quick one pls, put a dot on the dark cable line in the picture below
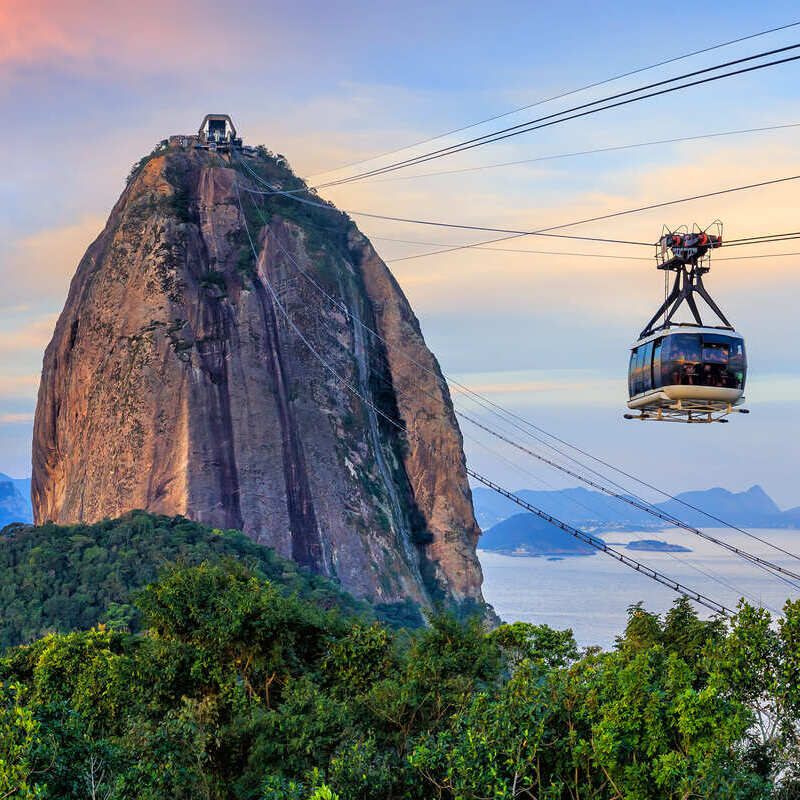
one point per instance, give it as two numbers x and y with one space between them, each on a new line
458 226
575 532
594 151
641 482
762 563
765 255
605 216
580 255
722 582
763 541
600 545
562 95
514 233
763 241
510 250
570 113
778 237
642 507
613 148
761 236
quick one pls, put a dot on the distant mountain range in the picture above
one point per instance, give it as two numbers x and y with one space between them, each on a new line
591 511
15 500
595 512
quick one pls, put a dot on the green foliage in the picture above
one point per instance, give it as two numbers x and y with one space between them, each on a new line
495 745
19 735
240 631
326 229
277 788
236 690
523 641
55 578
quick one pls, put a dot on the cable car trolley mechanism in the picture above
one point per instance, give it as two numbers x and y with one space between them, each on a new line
687 372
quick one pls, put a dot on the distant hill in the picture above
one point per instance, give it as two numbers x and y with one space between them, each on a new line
15 500
597 512
526 534
753 508
657 546
55 578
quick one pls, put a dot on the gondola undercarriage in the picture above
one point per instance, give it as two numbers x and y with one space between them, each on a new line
688 411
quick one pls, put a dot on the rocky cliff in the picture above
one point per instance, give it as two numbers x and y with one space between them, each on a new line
174 383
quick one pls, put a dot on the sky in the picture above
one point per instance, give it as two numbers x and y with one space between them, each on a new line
90 87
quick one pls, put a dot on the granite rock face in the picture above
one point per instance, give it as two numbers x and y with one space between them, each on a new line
177 382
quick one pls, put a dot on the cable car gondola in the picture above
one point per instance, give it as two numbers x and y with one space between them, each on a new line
687 372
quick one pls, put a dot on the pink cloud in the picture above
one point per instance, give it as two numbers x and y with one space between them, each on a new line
10 419
16 386
43 264
146 33
34 336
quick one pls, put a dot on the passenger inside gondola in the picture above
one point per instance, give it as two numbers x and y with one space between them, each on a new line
688 359
714 360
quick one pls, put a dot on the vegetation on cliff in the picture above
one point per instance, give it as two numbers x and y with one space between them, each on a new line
232 689
62 578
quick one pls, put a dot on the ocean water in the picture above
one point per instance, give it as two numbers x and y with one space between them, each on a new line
590 594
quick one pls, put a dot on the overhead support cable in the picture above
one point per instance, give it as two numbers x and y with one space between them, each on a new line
612 256
458 226
765 255
597 544
760 237
514 250
512 234
708 515
576 112
771 240
574 154
603 217
487 403
647 508
560 96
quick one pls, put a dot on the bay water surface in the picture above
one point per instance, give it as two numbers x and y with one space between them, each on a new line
591 594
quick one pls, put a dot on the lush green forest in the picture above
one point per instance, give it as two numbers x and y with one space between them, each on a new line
59 579
235 686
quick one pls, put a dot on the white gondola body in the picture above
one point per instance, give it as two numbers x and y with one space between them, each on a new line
687 367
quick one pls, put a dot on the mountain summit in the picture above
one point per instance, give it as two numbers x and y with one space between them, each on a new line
174 383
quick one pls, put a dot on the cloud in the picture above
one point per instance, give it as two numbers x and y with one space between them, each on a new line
29 29
42 265
15 419
34 336
470 279
18 386
146 33
532 386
